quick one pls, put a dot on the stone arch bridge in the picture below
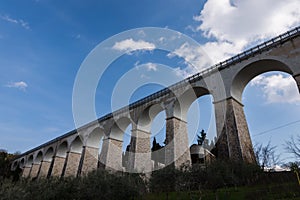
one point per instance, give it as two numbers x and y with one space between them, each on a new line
76 152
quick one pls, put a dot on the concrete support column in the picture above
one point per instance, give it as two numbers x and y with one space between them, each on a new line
177 144
140 151
35 170
26 171
111 154
90 159
234 140
58 166
72 164
45 166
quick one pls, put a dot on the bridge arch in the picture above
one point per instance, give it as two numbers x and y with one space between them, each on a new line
250 71
76 145
22 162
185 100
94 137
38 158
29 160
147 116
62 149
118 128
49 154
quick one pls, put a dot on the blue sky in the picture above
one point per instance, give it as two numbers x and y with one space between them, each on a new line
43 44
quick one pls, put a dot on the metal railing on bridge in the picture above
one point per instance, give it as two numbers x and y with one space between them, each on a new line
222 65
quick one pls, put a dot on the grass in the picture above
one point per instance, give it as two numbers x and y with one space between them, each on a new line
286 191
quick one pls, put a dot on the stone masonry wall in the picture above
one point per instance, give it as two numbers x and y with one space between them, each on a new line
45 165
111 154
26 172
234 140
243 133
34 170
72 164
177 148
90 161
141 151
58 166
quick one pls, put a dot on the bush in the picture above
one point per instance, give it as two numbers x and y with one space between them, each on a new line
215 175
96 185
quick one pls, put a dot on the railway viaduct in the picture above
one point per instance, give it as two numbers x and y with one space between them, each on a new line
76 152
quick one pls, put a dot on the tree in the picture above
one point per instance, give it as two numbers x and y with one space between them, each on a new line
5 164
266 155
293 146
155 145
294 167
201 137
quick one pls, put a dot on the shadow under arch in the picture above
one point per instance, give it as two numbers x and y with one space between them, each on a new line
49 154
62 149
29 161
39 157
94 138
244 76
22 163
57 167
118 128
147 116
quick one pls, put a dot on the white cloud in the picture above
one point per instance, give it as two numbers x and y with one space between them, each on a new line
194 56
20 22
151 66
236 24
19 85
132 45
277 88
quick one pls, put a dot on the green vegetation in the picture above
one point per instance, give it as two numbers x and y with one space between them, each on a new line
97 185
5 172
286 191
217 180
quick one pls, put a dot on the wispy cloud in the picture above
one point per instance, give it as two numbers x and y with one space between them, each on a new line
21 85
20 22
277 88
132 45
77 36
151 66
194 56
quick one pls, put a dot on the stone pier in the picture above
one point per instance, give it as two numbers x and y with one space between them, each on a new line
72 164
26 171
111 154
58 166
177 143
140 152
90 159
35 170
234 140
45 166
